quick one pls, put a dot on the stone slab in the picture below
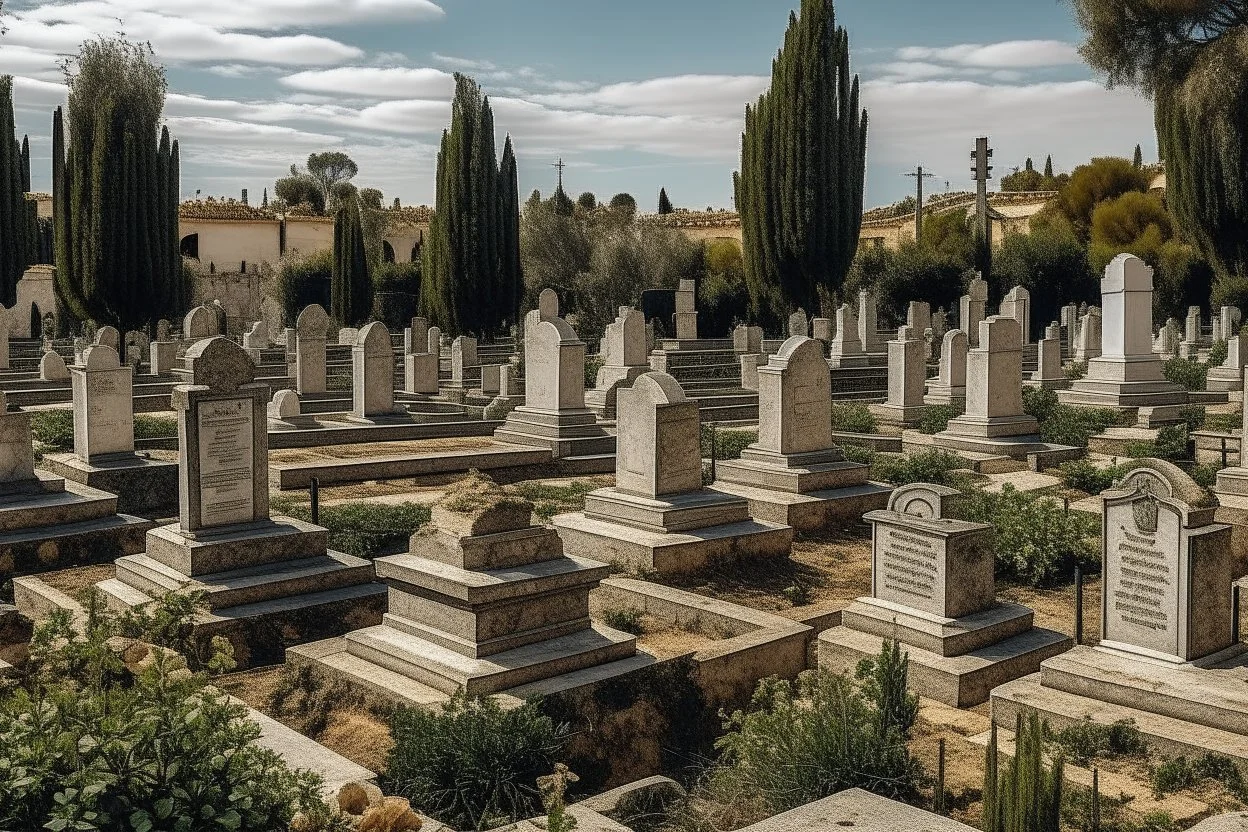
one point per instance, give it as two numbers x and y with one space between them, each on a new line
143 486
100 540
281 539
860 811
946 637
812 511
301 752
299 476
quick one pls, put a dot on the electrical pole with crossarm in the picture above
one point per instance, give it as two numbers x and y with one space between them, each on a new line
919 176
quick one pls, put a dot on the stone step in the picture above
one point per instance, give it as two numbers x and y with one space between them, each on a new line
284 539
447 671
333 656
56 508
478 586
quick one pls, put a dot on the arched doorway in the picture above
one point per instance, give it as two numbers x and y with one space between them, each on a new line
190 246
387 252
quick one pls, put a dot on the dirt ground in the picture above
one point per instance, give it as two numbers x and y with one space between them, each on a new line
75 580
290 456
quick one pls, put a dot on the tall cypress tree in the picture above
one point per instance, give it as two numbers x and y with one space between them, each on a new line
15 234
665 204
1048 167
114 191
803 168
471 254
1138 159
350 286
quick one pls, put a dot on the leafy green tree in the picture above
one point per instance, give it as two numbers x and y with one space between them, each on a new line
803 161
1051 263
1092 184
330 169
1134 223
949 233
116 183
15 220
300 189
1187 57
471 243
665 204
723 295
510 265
910 272
351 287
1048 167
624 203
587 201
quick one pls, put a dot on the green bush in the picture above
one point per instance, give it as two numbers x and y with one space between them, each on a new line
1186 373
592 364
88 745
1074 426
1224 422
303 280
802 742
729 442
1039 403
1217 354
473 764
1027 796
1206 476
852 418
549 500
625 619
1194 416
54 429
1076 370
859 453
1037 541
1082 475
936 418
1087 740
931 466
365 530
147 426
1181 773
1171 443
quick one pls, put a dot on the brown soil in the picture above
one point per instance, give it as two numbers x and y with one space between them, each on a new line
75 580
665 640
1054 607
289 456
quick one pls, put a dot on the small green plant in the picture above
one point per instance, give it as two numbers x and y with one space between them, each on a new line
797 594
883 680
53 430
366 530
1087 740
858 453
147 426
1206 476
1039 403
1224 422
1181 773
625 619
1074 426
473 764
729 442
1186 373
936 417
932 466
549 500
592 364
1037 541
1076 370
1082 475
554 788
1171 443
1027 796
852 418
1217 354
1194 416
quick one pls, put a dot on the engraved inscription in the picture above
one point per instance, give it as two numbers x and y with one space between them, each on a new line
1143 584
226 492
907 565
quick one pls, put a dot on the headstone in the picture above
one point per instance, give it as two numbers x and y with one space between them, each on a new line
747 339
372 373
1088 343
347 336
1230 374
463 357
200 322
1217 329
285 406
17 451
822 329
919 319
311 332
1070 326
108 336
1191 334
103 405
416 337
845 349
1230 317
663 453
799 324
1168 568
868 324
624 358
687 311
257 338
1017 305
490 381
223 453
52 367
548 304
163 357
164 330
907 376
1049 374
972 309
949 386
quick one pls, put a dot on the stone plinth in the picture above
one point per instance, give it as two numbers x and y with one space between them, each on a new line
845 349
907 377
1230 374
625 358
658 516
932 589
794 475
949 386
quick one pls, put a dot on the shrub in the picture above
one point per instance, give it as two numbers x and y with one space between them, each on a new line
625 619
802 742
1217 354
473 765
1039 403
147 426
729 442
936 418
54 429
883 681
1037 541
859 453
1206 476
852 418
549 500
592 364
931 466
1087 740
1074 426
303 280
1171 443
1027 796
366 530
1194 416
1185 373
1082 475
1076 370
1224 422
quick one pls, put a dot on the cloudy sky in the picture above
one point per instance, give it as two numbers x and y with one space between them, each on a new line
634 95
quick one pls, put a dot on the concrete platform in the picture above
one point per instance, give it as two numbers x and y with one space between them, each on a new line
860 811
100 540
814 510
961 681
673 552
300 752
334 471
144 486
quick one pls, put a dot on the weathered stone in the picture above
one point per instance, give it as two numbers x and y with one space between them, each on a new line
311 330
372 363
52 367
949 386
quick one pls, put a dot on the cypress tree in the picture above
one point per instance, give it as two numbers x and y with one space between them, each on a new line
471 254
15 234
1138 160
350 286
665 204
1030 166
803 163
1048 167
25 163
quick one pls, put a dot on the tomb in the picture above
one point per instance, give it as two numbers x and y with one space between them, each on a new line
1049 374
372 376
311 333
624 358
104 457
794 475
1017 305
1127 374
949 386
52 367
1229 375
420 367
200 322
1088 339
972 309
845 349
659 516
1168 658
933 590
907 377
483 601
268 582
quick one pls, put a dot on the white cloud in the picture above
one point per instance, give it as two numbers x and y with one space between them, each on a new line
256 15
1006 54
376 82
721 96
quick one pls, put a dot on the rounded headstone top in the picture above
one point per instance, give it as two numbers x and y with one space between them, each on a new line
1127 273
374 339
101 357
285 404
220 364
1018 293
659 388
313 320
1165 479
978 290
52 366
563 331
200 322
548 304
924 500
799 349
952 336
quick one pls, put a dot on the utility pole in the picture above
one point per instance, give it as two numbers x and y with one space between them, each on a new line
559 165
919 176
983 223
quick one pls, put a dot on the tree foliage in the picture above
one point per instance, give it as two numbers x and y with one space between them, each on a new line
300 189
665 204
18 240
624 203
1051 263
116 191
470 280
351 296
1027 795
1092 184
329 169
803 160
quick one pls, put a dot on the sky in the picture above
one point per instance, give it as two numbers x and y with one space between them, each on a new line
632 95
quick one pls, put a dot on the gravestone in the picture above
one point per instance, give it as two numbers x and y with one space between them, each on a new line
311 333
200 322
1230 316
286 413
103 405
686 311
1229 375
1069 318
267 582
1190 344
949 386
372 374
933 589
822 330
1217 329
108 336
1049 374
869 324
421 368
845 349
1128 374
416 337
257 338
624 358
1017 305
52 367
1088 341
799 324
919 319
465 366
747 339
972 309
907 376
658 515
794 474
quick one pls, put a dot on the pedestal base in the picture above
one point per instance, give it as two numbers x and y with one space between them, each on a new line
807 497
567 433
1225 379
897 416
143 486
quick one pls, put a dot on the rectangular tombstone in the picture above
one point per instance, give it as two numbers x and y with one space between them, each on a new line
372 372
822 329
662 455
1168 569
103 405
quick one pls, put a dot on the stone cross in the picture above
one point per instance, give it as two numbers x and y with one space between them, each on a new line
103 405
663 453
223 472
372 373
311 333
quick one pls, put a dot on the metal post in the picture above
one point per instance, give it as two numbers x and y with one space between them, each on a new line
314 495
1078 606
939 798
1096 800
